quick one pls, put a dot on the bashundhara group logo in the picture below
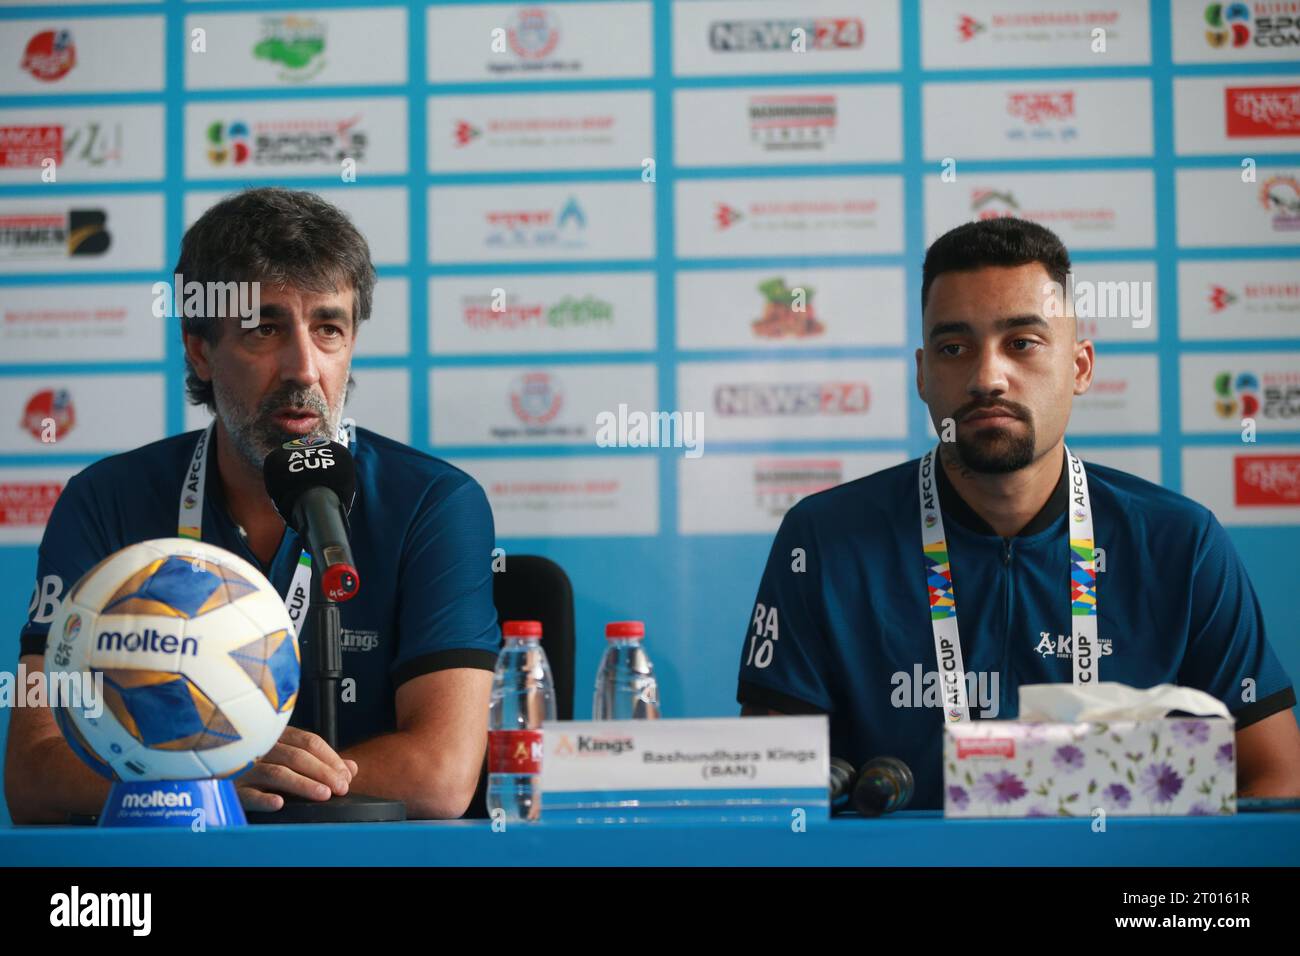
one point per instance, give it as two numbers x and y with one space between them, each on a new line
1227 24
1236 395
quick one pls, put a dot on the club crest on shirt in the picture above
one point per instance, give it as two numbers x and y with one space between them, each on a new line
1063 647
350 640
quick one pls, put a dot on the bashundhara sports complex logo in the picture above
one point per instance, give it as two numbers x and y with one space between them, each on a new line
228 143
1236 395
1227 24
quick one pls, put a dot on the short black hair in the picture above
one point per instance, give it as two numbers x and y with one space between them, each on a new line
278 237
1004 241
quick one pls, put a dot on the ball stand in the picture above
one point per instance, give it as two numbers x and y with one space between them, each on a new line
195 804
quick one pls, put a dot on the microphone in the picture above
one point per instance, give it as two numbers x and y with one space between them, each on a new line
312 482
842 774
884 785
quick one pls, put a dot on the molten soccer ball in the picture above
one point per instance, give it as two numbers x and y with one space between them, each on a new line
198 657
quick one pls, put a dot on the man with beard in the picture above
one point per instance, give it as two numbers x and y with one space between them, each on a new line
931 591
419 640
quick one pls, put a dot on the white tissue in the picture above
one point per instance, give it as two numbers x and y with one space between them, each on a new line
1111 700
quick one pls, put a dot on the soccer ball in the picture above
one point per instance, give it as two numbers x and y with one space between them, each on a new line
198 657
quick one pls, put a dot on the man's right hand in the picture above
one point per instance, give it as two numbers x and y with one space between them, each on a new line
302 764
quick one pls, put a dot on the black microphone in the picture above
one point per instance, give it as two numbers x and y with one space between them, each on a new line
842 774
884 785
312 482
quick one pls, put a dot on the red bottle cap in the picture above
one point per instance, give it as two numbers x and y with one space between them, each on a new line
521 629
617 629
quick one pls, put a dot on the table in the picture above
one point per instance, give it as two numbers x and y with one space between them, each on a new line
906 839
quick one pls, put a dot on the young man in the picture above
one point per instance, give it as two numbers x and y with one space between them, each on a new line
880 593
419 639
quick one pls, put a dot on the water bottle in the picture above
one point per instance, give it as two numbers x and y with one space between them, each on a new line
626 688
523 697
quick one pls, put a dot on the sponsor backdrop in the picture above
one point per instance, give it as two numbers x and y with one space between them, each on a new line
707 206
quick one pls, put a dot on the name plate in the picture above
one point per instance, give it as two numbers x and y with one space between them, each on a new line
754 767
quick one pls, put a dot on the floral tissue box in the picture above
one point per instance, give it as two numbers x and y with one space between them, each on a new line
1159 767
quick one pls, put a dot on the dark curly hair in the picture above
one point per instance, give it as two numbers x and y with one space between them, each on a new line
1005 241
279 237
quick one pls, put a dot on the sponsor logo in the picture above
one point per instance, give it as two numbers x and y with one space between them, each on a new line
1268 24
149 641
1256 297
968 28
793 121
564 228
1266 480
1220 298
50 54
787 313
536 132
536 398
228 143
295 43
1037 26
90 144
93 144
593 745
776 36
1042 116
1280 196
798 215
1061 646
596 494
755 399
1238 395
53 404
79 232
569 312
360 641
1262 110
22 147
533 35
780 483
27 504
286 142
155 799
994 204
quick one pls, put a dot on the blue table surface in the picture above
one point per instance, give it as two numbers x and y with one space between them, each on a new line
918 838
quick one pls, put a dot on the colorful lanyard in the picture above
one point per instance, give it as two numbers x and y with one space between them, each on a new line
943 599
189 522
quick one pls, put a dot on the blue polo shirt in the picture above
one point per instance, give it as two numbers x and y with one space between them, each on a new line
842 627
422 538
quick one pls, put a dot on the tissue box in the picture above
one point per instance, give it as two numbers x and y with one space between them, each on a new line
1184 766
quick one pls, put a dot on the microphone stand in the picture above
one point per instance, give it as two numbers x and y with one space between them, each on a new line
325 653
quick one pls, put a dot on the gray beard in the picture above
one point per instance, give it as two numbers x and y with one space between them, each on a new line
254 435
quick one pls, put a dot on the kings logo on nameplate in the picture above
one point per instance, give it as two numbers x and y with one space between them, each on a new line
714 767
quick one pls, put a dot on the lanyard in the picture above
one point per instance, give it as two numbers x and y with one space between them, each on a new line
943 598
189 522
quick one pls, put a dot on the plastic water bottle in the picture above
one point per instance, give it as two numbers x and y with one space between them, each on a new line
626 688
523 696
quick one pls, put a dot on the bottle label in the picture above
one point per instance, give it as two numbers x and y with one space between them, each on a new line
515 751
